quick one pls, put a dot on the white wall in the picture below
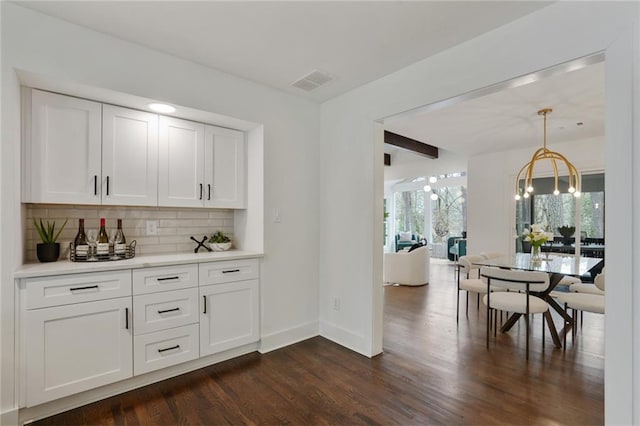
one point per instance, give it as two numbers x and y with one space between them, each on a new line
350 216
61 51
492 183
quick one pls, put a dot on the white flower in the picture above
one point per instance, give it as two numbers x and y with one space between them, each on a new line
536 235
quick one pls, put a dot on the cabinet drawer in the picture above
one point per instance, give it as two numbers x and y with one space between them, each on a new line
168 309
74 288
228 271
151 280
164 348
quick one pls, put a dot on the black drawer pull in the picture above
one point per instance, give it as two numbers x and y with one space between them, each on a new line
201 191
209 185
126 318
168 310
83 288
107 185
168 278
168 349
95 184
205 304
228 271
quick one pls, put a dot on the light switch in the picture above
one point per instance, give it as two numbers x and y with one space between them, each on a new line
276 216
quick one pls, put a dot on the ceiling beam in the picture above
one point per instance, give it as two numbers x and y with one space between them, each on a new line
409 144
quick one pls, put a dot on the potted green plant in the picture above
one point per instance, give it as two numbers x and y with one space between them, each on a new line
219 242
49 249
566 232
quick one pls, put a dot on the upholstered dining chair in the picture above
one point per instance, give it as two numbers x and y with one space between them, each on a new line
469 280
519 299
584 302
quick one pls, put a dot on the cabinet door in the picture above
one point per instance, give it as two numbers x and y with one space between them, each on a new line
62 152
181 166
77 347
229 316
225 168
129 157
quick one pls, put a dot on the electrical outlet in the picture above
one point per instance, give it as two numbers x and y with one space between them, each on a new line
152 227
336 303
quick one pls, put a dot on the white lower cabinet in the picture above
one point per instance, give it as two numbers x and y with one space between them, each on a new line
229 316
77 347
80 331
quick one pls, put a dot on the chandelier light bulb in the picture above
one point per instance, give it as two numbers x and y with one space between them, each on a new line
530 189
427 188
556 192
433 179
572 190
434 196
518 197
526 195
577 194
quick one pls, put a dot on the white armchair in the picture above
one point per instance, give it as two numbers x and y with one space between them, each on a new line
407 268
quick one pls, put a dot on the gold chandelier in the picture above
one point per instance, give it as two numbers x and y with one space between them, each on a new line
526 172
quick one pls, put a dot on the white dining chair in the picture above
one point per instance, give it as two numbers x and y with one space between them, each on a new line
584 302
521 300
469 280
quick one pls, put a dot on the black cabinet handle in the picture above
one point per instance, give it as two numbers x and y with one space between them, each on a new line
201 191
205 304
87 287
209 186
168 349
168 310
126 318
167 278
107 185
95 184
230 271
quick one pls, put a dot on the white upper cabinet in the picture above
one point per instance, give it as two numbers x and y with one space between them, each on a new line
225 158
77 151
181 166
61 149
129 157
200 165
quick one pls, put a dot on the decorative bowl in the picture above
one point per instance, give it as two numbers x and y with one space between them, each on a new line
220 246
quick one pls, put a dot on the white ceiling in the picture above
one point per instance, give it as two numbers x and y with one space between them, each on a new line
508 119
275 43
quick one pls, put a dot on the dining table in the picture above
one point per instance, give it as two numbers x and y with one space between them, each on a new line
557 265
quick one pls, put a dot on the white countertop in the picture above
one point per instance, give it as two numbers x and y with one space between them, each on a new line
67 267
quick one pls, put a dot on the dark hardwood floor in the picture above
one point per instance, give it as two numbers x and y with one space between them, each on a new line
431 372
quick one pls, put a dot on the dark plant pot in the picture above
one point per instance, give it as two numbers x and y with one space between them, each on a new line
48 252
566 241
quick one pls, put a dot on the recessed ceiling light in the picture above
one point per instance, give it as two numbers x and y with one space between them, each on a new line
164 108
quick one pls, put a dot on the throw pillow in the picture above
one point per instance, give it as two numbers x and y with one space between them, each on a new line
405 236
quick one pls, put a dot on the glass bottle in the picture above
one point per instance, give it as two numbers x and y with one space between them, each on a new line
119 241
80 242
102 248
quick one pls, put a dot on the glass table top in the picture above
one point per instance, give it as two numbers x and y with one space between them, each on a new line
565 264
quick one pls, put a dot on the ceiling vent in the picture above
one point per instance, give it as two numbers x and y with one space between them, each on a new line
313 80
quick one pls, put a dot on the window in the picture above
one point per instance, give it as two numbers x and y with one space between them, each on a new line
553 211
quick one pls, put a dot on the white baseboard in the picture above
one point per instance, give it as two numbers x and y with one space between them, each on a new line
83 398
273 341
9 418
345 338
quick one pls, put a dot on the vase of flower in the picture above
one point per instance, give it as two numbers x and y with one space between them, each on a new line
535 254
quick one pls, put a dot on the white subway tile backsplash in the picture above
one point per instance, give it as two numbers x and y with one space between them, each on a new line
175 225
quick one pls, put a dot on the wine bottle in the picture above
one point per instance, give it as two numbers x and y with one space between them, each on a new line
80 242
103 239
119 242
